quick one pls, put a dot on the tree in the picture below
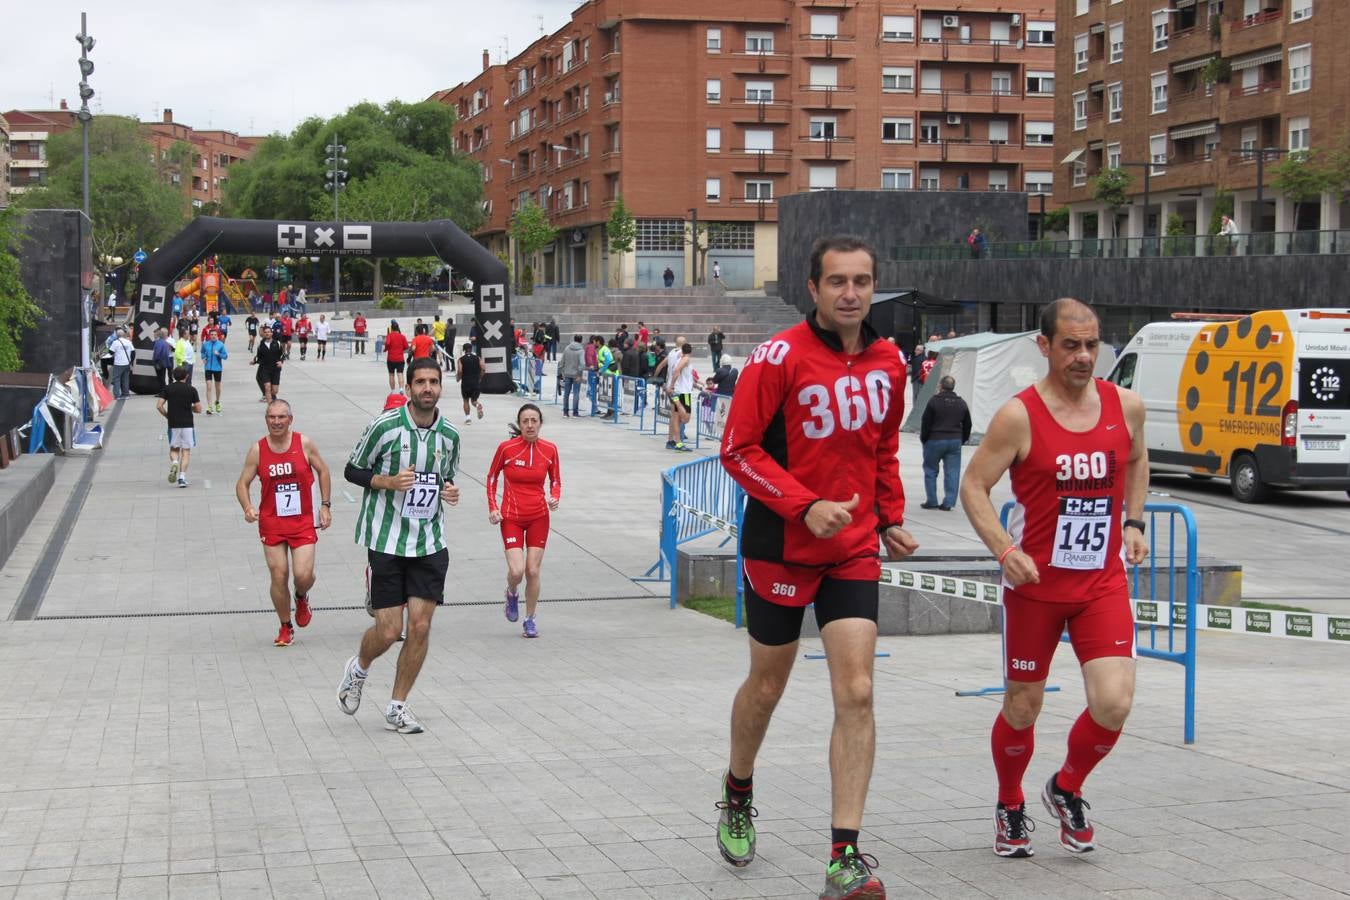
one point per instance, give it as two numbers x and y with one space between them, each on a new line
18 312
622 232
532 232
1223 206
129 201
1111 188
1055 221
1301 177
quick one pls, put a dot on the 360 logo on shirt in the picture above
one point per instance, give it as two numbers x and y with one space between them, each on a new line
855 401
282 468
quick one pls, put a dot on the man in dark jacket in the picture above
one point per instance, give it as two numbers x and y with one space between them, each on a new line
946 426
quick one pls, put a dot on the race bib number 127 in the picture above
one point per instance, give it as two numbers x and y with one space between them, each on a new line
422 499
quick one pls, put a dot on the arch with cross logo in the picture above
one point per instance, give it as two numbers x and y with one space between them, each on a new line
441 238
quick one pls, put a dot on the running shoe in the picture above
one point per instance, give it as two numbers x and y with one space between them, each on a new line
302 611
285 636
736 830
218 409
850 878
530 630
210 410
468 420
349 690
512 607
1075 831
671 445
182 481
173 471
400 719
1012 831
480 410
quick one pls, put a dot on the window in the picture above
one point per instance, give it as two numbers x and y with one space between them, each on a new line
998 179
1115 102
1160 30
522 81
1117 42
1041 34
714 40
759 42
586 97
824 128
896 78
897 28
998 131
759 190
1247 140
659 234
1157 152
758 140
897 179
824 25
1113 156
1299 132
713 191
999 31
1040 133
1159 92
1001 83
1079 174
1300 10
928 131
714 90
1080 7
1080 110
1042 83
1038 182
930 80
931 30
1080 53
586 144
826 77
713 144
822 178
928 180
897 130
759 92
733 236
1300 68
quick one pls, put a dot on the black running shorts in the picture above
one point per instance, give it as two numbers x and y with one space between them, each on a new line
393 579
774 624
395 366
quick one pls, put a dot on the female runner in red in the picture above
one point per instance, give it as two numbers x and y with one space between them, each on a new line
524 461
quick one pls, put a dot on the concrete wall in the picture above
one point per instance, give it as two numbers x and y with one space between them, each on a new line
888 219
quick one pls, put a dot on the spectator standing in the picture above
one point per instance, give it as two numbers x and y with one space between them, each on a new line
553 334
214 355
451 332
359 327
321 331
927 366
644 336
123 352
177 403
716 341
438 330
571 370
592 358
538 352
162 354
976 242
1229 231
945 428
668 277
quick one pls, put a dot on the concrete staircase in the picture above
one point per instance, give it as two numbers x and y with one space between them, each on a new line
746 320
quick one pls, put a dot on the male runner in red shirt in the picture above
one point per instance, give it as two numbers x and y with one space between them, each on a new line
523 461
286 462
812 437
423 345
1075 447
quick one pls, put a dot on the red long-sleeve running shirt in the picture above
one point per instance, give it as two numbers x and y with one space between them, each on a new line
810 422
524 465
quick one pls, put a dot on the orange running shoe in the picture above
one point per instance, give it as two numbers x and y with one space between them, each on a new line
302 612
285 636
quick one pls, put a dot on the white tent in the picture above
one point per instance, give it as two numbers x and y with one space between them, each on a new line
989 369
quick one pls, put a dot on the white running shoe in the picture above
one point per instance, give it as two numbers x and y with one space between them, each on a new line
468 420
349 690
173 471
400 719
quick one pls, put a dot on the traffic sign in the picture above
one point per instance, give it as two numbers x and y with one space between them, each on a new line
140 256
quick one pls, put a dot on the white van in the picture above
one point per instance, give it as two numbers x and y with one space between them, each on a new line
1261 399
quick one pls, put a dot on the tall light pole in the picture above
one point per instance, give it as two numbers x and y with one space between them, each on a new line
86 69
337 180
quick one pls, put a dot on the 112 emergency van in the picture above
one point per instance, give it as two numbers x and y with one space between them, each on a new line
1261 399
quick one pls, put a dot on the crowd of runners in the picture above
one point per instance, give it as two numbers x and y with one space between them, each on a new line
812 436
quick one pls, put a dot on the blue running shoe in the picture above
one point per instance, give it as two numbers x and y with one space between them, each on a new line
512 606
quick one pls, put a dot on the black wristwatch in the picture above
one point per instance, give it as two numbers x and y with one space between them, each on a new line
1136 523
327 503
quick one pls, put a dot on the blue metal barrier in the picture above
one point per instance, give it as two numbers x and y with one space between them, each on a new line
710 416
1145 585
698 498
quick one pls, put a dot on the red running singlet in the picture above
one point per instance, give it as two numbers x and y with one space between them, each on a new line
524 465
287 509
1070 493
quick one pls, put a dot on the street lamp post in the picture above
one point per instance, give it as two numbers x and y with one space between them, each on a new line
337 181
693 239
86 43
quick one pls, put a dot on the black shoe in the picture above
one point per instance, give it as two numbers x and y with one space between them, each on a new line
946 507
928 506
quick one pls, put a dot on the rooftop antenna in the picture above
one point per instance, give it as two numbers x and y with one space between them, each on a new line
541 24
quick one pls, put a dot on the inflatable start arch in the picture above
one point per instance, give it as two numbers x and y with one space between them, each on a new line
442 239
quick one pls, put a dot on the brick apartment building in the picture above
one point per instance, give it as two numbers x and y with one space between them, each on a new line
212 153
1139 85
4 162
716 110
29 131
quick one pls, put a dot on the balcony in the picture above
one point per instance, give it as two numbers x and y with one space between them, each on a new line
815 46
750 112
609 63
819 96
955 50
1195 103
770 162
611 161
745 63
934 100
834 148
1246 34
1256 101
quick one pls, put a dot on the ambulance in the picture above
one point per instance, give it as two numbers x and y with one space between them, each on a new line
1261 399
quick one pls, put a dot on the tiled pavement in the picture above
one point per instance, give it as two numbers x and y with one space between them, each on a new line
182 755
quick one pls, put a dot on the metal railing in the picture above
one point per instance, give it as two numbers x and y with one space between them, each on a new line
1271 243
710 416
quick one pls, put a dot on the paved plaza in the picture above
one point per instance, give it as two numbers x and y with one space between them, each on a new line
155 743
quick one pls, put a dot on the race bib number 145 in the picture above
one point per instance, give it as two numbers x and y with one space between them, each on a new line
1082 533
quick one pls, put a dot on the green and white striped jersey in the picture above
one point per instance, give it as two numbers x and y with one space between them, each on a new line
390 443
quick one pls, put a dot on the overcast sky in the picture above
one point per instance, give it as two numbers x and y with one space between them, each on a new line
261 65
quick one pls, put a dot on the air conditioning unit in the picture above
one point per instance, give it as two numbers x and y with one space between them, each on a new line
953 119
951 21
1016 19
609 96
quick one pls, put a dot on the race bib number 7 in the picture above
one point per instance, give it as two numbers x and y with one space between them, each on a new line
288 498
422 499
1082 533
